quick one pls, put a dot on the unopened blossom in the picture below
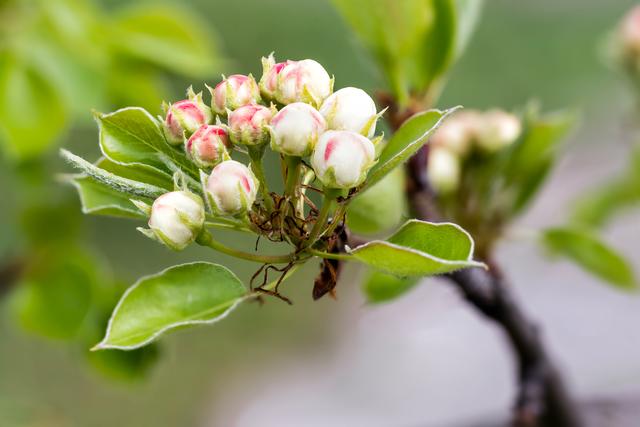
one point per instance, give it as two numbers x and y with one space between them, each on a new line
497 129
295 81
341 158
185 117
176 218
457 132
443 169
232 188
249 125
208 146
351 109
233 92
295 129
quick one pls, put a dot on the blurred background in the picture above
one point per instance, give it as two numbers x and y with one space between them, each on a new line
424 360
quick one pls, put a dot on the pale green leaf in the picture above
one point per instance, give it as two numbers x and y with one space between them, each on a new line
99 199
379 208
588 251
380 287
420 248
183 295
406 141
468 13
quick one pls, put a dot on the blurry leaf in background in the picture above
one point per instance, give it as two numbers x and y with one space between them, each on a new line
585 249
379 208
127 366
413 40
468 16
420 248
380 287
180 296
32 113
599 205
36 220
532 157
62 58
55 294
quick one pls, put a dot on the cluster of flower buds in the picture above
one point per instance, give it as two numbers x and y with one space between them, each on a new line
293 110
488 131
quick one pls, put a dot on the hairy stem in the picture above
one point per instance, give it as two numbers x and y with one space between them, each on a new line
321 220
256 154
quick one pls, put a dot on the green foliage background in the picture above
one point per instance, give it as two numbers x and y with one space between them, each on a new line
545 49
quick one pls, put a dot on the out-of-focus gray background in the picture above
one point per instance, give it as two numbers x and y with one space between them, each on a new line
426 359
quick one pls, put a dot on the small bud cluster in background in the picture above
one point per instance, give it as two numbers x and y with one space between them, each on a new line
625 42
485 132
293 110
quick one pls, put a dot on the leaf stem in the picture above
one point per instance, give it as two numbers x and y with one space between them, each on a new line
323 216
293 177
321 254
206 239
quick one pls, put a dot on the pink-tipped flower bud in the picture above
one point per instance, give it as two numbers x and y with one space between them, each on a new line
208 146
457 133
296 128
234 92
185 117
351 109
629 32
232 188
342 158
497 129
295 81
176 219
249 125
443 169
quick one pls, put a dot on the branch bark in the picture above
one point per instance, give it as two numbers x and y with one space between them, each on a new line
542 398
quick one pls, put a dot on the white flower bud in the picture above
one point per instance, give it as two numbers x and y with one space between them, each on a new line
457 133
208 146
232 188
443 169
629 32
351 109
296 128
185 117
233 92
342 158
497 129
176 219
295 81
248 125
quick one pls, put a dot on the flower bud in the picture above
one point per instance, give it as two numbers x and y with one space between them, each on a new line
185 117
296 81
629 32
497 129
351 109
233 92
176 219
208 146
342 158
296 128
443 169
457 133
231 188
249 124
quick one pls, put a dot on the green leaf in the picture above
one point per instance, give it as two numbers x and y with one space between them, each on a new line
125 365
413 40
468 12
585 249
406 141
380 287
420 248
120 184
140 173
168 37
181 296
32 113
99 199
56 294
533 156
379 208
